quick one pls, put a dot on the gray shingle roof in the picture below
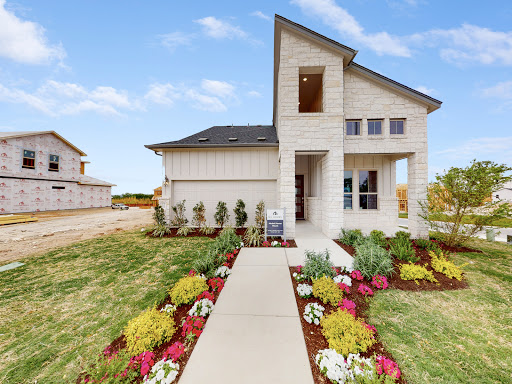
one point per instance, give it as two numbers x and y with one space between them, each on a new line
226 136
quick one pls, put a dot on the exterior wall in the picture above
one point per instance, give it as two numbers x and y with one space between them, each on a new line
504 194
24 195
365 99
310 131
213 175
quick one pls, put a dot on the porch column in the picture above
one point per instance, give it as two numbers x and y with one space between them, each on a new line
287 189
332 193
417 180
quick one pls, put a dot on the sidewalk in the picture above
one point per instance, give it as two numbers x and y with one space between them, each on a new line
254 334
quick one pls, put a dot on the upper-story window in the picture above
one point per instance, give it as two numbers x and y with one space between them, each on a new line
29 159
367 189
396 127
354 127
53 163
310 90
375 127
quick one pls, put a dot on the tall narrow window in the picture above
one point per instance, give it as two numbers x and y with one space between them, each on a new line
375 127
29 159
310 92
367 189
353 128
53 164
347 189
396 127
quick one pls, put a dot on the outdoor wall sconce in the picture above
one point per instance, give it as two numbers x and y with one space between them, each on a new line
166 180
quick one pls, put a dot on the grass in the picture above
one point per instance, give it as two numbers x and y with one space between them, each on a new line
61 309
454 336
505 222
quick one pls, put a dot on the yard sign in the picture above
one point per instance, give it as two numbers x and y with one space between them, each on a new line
275 224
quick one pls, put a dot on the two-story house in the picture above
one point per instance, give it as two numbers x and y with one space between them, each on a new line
330 155
41 171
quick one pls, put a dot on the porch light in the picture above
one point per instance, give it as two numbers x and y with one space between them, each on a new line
305 79
166 180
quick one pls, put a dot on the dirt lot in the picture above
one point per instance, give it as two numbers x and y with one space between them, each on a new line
61 228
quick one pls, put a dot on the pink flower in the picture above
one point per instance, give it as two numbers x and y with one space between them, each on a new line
388 366
379 281
266 244
144 369
192 272
348 305
336 271
174 351
356 275
285 244
299 268
344 287
365 290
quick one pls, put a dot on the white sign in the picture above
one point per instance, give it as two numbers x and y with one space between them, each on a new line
275 214
275 223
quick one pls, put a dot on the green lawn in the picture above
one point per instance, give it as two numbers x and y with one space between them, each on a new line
61 309
454 336
470 219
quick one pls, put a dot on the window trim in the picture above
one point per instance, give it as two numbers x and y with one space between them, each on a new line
381 127
53 162
403 127
353 121
359 193
351 194
28 158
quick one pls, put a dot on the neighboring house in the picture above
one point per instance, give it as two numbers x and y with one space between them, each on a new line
329 157
504 194
41 171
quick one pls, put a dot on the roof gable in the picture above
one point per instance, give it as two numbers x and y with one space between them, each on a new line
11 135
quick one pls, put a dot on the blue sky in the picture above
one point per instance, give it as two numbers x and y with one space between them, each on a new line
113 76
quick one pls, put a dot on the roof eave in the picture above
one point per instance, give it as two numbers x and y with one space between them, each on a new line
159 147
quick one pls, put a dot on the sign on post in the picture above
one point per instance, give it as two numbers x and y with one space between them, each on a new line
275 223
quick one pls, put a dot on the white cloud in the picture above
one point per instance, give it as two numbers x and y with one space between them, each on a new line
164 94
219 29
171 41
425 90
261 15
254 94
205 102
25 41
217 88
339 19
483 148
501 90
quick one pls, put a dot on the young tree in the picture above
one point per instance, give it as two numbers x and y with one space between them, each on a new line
260 215
466 191
240 214
159 216
221 215
198 217
179 215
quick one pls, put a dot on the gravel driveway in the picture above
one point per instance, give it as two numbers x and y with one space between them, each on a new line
56 230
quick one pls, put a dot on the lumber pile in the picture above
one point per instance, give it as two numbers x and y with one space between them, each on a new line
15 219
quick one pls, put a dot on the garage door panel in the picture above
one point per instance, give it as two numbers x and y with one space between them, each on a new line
211 192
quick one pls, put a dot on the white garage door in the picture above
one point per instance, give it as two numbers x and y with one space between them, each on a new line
211 192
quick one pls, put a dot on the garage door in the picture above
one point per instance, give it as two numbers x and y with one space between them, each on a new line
211 192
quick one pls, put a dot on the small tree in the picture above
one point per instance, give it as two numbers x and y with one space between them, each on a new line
159 216
260 215
465 191
240 214
198 217
221 215
179 215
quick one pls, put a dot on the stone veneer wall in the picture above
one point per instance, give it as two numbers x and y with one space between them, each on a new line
384 219
314 211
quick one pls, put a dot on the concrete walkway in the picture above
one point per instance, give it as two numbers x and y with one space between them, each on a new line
254 334
309 237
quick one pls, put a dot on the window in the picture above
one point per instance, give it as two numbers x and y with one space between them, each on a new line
347 189
53 164
396 127
29 159
353 128
367 189
375 127
310 92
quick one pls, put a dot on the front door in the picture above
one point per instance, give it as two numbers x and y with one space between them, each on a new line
299 196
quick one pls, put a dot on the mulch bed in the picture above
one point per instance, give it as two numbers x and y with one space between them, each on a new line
179 316
239 232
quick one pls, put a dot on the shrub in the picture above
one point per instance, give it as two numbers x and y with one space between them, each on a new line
351 237
240 214
184 231
160 230
260 215
226 242
159 216
345 333
402 249
198 217
416 272
379 238
148 330
327 290
221 215
317 264
179 214
403 235
441 264
371 260
434 247
186 290
205 264
207 230
421 243
253 236
109 367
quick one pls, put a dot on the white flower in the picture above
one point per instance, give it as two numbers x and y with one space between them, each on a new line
163 372
304 290
169 308
201 308
223 272
343 279
313 312
242 244
338 370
